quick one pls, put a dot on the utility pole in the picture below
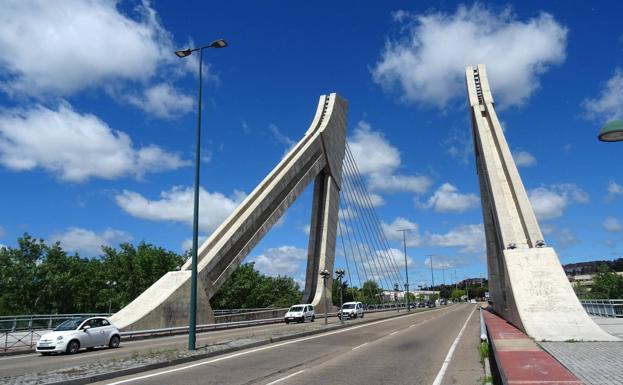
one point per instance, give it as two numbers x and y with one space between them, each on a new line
325 274
404 242
340 273
432 275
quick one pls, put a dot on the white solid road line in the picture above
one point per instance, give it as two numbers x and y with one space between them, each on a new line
273 346
286 377
391 334
357 347
446 362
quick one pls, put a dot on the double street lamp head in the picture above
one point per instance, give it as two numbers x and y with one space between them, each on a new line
340 272
612 131
325 274
220 43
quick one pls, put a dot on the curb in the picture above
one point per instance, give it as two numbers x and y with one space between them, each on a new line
183 360
519 359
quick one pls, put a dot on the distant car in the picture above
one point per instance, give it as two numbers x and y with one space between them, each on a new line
443 301
431 304
300 313
472 301
421 304
351 310
77 333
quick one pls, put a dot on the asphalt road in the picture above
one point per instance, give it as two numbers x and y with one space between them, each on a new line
403 350
33 363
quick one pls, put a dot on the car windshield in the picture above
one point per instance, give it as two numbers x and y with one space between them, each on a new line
70 324
296 308
348 306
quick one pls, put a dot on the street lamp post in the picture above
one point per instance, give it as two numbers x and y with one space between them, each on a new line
192 311
396 290
404 242
340 273
325 274
111 285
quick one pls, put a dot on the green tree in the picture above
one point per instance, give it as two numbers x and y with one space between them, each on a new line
371 292
457 294
247 288
606 284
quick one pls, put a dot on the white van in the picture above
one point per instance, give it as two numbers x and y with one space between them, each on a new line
351 310
300 313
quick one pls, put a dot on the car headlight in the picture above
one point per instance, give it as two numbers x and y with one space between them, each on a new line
59 338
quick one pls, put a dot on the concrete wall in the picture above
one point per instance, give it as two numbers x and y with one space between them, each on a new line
527 284
318 156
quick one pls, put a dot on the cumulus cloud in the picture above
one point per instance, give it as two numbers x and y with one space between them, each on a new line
393 233
91 44
447 198
163 101
444 262
609 104
75 146
87 241
566 238
468 238
612 225
428 63
614 190
176 205
282 260
379 161
551 202
524 159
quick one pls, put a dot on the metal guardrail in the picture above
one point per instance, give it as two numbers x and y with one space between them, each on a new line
603 307
39 321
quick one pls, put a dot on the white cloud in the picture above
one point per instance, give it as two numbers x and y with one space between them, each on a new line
305 229
177 205
379 161
187 244
609 105
87 241
283 260
3 246
468 238
163 101
551 202
429 62
447 198
524 159
614 190
83 43
393 233
75 146
348 213
444 262
566 238
612 225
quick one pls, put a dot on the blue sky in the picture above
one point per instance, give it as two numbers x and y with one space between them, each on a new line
97 118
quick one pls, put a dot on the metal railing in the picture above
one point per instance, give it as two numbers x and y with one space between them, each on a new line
39 321
603 307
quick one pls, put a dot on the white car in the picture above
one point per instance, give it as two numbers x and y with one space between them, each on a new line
351 310
300 313
77 333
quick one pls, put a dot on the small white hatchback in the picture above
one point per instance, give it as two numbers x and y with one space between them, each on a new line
300 313
77 333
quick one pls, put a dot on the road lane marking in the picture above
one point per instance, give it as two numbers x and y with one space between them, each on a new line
357 347
246 352
391 334
446 362
272 346
286 377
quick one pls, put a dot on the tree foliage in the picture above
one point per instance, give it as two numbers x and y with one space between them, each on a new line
247 288
606 284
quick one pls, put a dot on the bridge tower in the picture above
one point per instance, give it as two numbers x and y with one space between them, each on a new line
527 283
316 157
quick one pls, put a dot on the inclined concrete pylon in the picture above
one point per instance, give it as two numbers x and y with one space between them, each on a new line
527 284
317 157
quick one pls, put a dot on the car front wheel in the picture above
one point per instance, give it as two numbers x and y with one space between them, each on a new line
114 342
73 347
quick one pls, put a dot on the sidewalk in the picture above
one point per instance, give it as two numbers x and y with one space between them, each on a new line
595 363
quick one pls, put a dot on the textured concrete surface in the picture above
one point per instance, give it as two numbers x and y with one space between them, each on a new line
527 284
595 363
318 156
